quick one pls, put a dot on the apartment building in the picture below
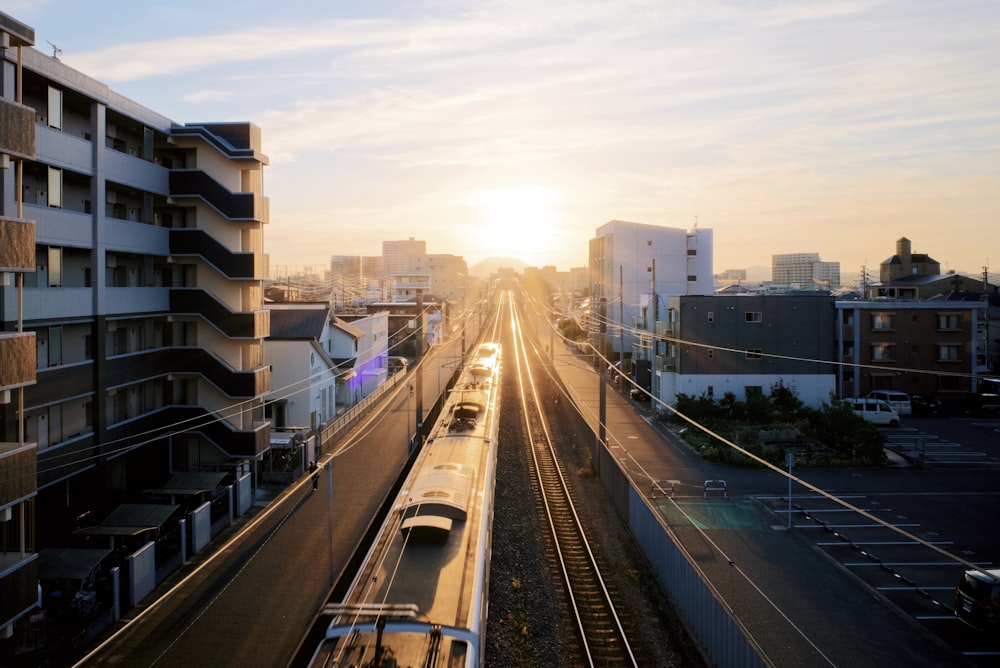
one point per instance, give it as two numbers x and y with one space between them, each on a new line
19 564
397 255
930 348
633 268
145 310
805 271
745 344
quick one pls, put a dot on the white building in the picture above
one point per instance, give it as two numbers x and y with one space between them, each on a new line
805 271
398 255
322 364
371 361
634 267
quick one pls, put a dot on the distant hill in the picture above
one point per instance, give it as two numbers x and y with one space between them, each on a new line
490 265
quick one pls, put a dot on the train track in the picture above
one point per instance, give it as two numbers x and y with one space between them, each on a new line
603 642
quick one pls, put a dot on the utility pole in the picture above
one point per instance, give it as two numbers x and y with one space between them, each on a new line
621 326
602 379
419 342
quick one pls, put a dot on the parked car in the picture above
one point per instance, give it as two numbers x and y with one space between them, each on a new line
898 400
977 598
925 405
875 411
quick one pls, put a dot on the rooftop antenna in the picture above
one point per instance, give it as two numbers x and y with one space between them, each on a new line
55 50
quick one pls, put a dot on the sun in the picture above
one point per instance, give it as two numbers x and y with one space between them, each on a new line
516 221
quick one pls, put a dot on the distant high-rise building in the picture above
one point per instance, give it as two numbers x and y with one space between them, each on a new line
732 275
805 271
399 256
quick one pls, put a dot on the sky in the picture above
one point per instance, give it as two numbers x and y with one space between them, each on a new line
517 128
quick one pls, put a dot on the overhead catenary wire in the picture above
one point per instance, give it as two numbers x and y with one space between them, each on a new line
51 462
832 497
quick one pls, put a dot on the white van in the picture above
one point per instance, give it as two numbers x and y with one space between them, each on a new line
898 400
875 411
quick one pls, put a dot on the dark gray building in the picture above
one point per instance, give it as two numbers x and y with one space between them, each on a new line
710 345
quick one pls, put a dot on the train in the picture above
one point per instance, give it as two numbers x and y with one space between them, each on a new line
420 596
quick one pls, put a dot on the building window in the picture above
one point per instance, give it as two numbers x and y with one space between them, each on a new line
55 188
754 354
883 352
949 352
55 255
882 321
753 316
948 321
711 353
710 392
751 391
711 316
692 251
848 349
55 108
692 278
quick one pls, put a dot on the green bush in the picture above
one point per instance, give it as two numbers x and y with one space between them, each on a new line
830 437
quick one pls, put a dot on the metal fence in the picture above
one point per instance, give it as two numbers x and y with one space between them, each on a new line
329 434
712 624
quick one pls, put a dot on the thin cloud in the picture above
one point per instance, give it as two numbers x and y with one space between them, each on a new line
810 113
208 96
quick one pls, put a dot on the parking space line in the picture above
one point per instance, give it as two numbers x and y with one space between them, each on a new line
883 542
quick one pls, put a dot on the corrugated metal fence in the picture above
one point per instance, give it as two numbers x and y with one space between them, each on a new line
710 621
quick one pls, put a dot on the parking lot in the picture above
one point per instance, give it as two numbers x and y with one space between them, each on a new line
941 512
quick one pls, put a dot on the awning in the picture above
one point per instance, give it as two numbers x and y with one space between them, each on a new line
130 519
69 563
189 483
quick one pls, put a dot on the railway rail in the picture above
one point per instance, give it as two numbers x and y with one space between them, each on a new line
603 639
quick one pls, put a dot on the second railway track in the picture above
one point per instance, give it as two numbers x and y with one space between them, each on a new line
603 641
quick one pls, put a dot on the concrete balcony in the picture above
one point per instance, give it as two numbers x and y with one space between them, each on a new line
235 325
234 265
194 183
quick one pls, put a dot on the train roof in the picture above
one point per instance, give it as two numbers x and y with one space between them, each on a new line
419 590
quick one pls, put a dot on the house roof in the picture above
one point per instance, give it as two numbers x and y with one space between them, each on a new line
190 482
130 519
348 328
917 281
915 258
70 563
298 323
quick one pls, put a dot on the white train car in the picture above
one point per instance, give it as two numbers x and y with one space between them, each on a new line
420 597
